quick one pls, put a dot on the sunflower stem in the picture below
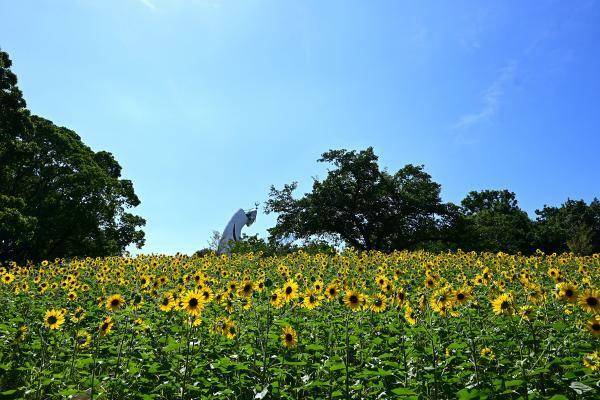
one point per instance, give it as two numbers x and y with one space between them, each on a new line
187 359
347 356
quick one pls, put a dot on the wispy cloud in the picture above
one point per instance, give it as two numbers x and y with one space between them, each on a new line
149 4
491 99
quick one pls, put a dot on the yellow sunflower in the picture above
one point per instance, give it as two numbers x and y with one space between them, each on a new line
78 314
312 299
378 303
353 299
526 312
487 353
8 278
567 291
590 301
441 300
318 285
83 339
290 290
503 304
193 303
167 302
276 299
400 297
289 337
461 296
229 329
332 291
115 302
410 315
592 361
593 325
246 288
106 326
53 319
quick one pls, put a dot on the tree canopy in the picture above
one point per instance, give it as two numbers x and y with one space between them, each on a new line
362 205
369 208
495 222
58 198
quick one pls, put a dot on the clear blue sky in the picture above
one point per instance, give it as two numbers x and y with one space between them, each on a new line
207 103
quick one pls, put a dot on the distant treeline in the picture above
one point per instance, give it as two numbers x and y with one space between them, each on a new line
360 205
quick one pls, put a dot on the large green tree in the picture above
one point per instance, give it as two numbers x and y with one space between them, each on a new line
364 206
495 222
58 198
574 226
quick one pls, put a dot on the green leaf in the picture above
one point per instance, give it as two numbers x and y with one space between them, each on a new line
513 383
403 392
297 363
337 366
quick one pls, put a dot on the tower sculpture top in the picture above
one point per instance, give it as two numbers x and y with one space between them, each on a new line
233 230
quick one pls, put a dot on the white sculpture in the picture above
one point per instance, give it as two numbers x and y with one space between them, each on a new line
233 230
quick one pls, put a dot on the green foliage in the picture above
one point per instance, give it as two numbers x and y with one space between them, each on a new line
365 207
573 226
465 350
58 198
496 223
370 209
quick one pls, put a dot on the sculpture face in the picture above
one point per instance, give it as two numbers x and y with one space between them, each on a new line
251 215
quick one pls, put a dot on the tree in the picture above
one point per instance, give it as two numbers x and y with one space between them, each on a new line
58 198
574 226
365 207
495 222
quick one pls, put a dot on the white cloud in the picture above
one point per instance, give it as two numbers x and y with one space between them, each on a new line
149 4
491 99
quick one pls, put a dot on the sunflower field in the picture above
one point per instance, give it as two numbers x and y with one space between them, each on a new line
353 325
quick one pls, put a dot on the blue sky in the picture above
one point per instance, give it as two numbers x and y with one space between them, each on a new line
205 104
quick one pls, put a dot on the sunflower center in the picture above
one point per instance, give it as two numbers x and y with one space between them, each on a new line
289 290
104 326
504 305
378 303
52 320
193 302
592 301
460 296
247 287
288 337
353 299
568 293
115 303
596 327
